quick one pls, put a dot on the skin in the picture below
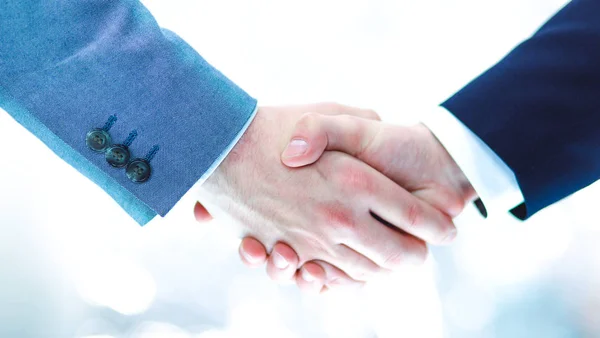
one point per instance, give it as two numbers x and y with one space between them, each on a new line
410 156
323 211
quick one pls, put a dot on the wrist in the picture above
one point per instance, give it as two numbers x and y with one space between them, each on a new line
224 176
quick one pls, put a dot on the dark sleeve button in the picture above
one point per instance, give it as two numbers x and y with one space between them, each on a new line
117 155
138 170
98 140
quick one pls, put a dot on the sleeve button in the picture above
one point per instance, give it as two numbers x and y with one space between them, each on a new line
117 155
138 170
98 140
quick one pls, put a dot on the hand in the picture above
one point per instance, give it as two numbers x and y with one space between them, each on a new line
410 156
323 211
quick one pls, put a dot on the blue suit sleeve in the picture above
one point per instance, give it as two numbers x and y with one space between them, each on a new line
539 108
66 66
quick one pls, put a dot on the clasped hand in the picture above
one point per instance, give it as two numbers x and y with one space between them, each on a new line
333 190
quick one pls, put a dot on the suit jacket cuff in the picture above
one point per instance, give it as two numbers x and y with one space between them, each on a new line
71 64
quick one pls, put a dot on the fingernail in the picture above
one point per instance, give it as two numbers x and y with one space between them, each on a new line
280 261
249 258
307 276
450 237
296 147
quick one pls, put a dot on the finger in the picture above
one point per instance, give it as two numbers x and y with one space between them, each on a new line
315 133
389 201
335 277
355 264
252 252
282 263
310 278
387 246
407 212
442 199
201 214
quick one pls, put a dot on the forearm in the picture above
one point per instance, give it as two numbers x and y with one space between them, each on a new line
537 108
66 66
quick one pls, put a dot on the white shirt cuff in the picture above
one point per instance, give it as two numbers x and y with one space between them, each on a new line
494 182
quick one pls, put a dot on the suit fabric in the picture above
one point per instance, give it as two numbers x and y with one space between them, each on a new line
67 66
539 107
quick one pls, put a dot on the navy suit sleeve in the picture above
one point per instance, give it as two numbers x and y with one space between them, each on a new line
67 65
539 108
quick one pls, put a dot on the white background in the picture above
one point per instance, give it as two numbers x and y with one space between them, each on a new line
74 265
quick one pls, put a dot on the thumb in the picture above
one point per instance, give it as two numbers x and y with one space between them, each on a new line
316 133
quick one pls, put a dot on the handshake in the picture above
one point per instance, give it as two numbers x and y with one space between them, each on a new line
329 195
325 188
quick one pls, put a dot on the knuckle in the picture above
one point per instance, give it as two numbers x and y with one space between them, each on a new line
395 259
309 116
414 215
309 121
338 217
354 179
411 251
